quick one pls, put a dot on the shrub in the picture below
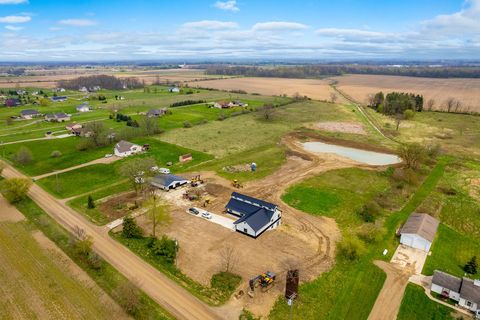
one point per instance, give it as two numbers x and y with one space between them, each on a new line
351 248
471 266
56 154
15 189
409 114
370 211
225 281
128 296
371 233
90 202
131 229
187 124
165 248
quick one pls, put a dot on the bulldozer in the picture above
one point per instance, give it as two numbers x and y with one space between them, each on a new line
265 280
206 202
236 184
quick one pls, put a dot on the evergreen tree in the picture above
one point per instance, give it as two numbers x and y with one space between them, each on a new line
131 229
90 203
471 266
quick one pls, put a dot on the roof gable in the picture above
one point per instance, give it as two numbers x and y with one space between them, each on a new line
470 291
423 225
446 280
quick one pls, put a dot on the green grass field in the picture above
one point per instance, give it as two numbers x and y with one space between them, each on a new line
417 306
37 284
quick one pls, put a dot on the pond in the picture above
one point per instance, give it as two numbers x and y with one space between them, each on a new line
363 156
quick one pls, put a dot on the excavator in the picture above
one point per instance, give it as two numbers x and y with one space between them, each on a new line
236 184
196 181
265 281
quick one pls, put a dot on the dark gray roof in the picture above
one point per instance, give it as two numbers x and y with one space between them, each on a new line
254 201
166 179
258 219
124 146
470 291
156 112
29 112
61 115
421 224
446 280
59 98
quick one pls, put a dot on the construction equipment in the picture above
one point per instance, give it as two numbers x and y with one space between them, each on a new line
265 281
206 202
236 184
196 181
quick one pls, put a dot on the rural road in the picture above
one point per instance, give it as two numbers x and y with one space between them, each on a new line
388 302
179 302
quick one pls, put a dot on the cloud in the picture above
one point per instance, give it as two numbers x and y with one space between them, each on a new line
13 28
15 19
279 26
78 22
337 32
210 25
463 22
13 1
230 5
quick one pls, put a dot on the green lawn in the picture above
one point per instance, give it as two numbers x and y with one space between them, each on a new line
338 194
72 183
417 306
43 162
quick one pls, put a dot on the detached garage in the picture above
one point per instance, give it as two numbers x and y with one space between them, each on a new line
419 231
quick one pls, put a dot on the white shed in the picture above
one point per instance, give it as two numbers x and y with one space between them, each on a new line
419 231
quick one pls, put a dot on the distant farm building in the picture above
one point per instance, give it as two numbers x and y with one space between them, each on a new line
59 98
29 114
174 89
125 149
185 158
256 216
12 102
419 231
156 112
228 105
84 107
57 117
168 181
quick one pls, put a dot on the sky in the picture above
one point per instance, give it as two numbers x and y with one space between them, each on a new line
110 30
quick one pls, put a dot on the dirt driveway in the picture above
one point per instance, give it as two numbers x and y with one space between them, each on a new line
410 258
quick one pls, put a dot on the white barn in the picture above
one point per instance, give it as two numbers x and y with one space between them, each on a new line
125 149
256 216
419 231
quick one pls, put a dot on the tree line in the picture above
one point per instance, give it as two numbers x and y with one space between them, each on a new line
319 71
102 81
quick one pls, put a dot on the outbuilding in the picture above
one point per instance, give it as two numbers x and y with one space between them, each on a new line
59 98
124 149
156 112
168 181
419 231
256 216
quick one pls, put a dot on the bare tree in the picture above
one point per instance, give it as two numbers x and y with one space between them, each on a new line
430 104
229 257
97 132
398 119
157 212
333 97
458 105
128 296
450 103
136 169
370 99
267 111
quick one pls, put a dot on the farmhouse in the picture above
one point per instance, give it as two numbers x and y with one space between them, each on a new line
29 114
256 216
465 291
156 112
59 98
419 231
57 117
125 149
227 105
174 89
168 181
84 107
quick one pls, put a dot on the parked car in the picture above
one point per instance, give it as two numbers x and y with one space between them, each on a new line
193 211
164 170
206 215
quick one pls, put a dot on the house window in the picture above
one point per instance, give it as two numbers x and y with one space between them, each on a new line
469 304
245 230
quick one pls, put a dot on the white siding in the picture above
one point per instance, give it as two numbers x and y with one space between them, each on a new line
245 228
451 294
463 303
415 241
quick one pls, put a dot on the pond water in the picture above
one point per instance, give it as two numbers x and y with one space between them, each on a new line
363 156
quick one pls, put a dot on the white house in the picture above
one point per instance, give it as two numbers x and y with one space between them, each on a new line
256 216
84 107
419 231
174 89
57 117
168 181
446 285
464 291
29 114
125 149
